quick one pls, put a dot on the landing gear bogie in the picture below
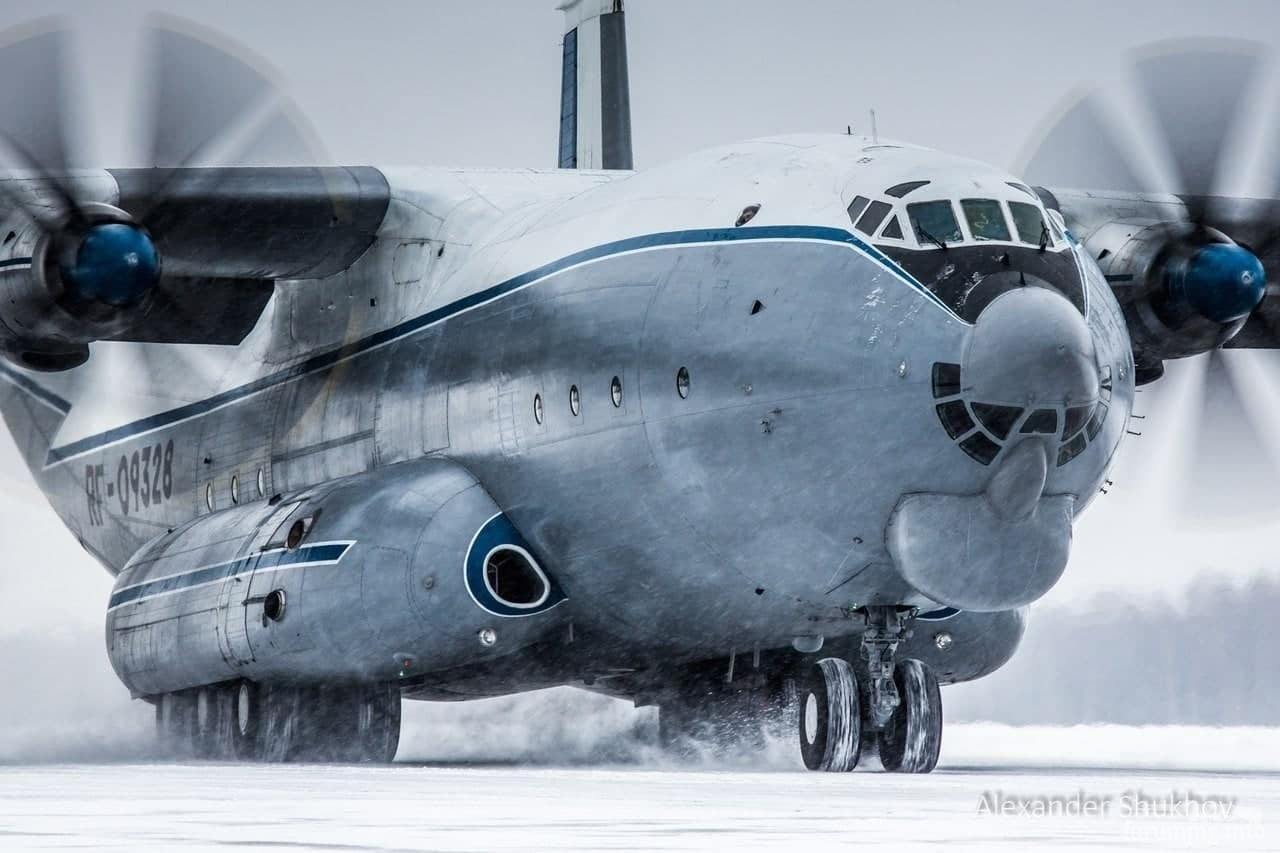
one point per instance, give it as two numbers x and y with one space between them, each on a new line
245 721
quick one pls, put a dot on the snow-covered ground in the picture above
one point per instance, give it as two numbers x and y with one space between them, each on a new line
641 800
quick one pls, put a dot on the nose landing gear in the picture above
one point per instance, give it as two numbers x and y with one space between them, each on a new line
896 703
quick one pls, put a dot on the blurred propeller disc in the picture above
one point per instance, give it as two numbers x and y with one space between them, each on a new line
205 102
1195 96
1228 471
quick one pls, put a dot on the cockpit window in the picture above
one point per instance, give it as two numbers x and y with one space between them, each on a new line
1029 222
986 219
899 190
856 207
892 231
870 221
934 222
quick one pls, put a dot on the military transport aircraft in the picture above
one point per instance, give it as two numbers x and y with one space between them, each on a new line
789 430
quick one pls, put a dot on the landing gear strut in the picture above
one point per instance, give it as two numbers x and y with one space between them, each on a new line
248 721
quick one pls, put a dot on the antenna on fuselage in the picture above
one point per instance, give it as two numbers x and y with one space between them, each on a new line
875 134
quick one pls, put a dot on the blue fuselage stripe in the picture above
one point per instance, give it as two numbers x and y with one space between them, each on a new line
266 561
15 262
328 359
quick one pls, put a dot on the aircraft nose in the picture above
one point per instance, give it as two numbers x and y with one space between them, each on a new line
1030 380
1031 349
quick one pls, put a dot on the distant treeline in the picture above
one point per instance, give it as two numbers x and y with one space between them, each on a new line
1211 660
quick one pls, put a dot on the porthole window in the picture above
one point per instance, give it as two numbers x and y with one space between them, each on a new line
615 392
537 408
235 488
682 382
575 404
262 483
208 496
514 578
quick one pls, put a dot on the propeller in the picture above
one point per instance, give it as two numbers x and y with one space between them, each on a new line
204 102
1193 104
204 96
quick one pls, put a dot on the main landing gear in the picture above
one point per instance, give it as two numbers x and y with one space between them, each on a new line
899 705
245 721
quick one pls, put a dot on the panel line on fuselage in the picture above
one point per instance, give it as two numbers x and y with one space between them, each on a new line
326 360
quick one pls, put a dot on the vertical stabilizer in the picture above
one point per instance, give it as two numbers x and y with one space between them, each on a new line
595 97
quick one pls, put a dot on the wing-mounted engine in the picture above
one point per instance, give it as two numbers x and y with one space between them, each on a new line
92 278
177 253
1185 287
1190 270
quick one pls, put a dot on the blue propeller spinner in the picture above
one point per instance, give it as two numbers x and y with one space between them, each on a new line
116 264
1222 281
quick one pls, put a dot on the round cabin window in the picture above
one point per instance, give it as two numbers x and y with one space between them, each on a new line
575 405
514 578
615 392
208 496
235 488
682 382
262 483
537 408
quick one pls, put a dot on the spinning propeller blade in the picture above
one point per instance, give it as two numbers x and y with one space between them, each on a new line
205 102
1197 95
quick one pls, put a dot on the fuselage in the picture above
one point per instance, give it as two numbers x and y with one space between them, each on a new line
719 411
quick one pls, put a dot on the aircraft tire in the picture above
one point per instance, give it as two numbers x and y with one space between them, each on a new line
377 719
912 739
244 717
175 724
279 725
207 721
830 717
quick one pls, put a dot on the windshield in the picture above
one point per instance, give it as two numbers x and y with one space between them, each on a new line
1028 221
986 219
933 221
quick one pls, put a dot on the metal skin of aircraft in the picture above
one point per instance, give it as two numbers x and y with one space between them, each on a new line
787 432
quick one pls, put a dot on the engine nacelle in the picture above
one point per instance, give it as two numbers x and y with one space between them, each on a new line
90 280
1185 289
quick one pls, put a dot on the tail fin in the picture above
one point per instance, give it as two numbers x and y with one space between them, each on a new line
595 96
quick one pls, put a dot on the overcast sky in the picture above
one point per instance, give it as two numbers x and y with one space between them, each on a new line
477 84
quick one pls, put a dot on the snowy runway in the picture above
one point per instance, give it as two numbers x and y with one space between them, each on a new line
651 803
